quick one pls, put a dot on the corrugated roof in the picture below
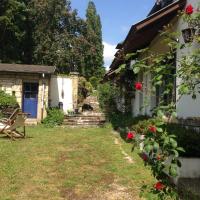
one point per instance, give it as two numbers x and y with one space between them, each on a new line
23 68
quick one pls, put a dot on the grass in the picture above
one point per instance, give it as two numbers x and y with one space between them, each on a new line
72 164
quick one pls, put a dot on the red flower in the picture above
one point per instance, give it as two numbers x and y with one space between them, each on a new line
152 129
138 86
158 157
189 9
159 186
144 157
130 135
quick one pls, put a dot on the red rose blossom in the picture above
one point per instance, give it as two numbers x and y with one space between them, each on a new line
138 86
158 157
189 9
159 186
130 135
144 157
152 129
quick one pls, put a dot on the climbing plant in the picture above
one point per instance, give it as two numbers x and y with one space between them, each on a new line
159 146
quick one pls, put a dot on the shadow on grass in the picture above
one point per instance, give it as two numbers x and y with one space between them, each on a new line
5 137
124 122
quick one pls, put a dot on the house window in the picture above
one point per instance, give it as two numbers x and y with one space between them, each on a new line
169 84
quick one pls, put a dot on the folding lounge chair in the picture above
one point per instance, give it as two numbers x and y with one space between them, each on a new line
11 130
12 117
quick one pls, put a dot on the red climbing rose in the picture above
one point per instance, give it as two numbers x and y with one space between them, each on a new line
152 129
189 9
138 86
144 157
159 186
158 157
130 135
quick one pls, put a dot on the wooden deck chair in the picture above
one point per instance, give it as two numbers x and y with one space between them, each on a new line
11 130
12 117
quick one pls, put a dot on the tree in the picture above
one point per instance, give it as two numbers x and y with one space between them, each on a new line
13 17
94 49
50 32
58 35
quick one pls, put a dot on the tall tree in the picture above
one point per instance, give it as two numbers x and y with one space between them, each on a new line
49 32
58 34
13 17
94 52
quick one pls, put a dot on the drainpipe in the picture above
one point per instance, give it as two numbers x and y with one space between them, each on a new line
43 92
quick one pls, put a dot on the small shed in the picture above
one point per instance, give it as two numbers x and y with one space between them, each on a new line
30 85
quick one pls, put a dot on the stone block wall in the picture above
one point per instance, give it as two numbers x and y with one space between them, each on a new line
75 78
13 84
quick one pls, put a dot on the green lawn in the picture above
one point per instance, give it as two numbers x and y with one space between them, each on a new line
72 164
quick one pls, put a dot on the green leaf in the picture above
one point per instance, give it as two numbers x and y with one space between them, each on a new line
136 70
174 114
176 154
121 68
160 113
129 55
172 136
159 77
158 83
160 130
180 149
173 170
156 146
159 123
148 148
173 142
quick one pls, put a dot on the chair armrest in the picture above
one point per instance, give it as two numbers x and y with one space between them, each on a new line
22 113
4 120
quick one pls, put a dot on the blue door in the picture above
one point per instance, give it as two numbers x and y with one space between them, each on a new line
30 99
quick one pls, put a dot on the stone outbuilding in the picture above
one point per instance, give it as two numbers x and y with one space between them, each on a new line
35 90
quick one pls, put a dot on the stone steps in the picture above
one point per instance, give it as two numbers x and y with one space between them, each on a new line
93 102
84 120
87 118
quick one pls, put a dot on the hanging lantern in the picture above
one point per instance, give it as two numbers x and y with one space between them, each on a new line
188 34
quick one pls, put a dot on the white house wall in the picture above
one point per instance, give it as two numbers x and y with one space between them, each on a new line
61 90
186 106
142 102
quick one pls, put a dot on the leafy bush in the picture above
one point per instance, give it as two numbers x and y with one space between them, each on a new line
187 138
120 120
54 117
107 95
7 100
94 81
84 89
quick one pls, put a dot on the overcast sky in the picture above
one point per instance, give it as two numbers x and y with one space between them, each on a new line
117 16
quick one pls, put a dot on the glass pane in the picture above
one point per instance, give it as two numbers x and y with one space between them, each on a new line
27 87
33 96
34 87
27 95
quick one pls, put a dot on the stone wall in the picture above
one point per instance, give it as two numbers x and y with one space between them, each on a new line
13 84
75 79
